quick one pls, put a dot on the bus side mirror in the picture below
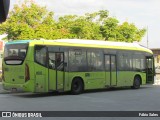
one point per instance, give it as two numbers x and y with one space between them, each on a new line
4 8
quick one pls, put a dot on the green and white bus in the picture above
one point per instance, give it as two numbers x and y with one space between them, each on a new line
75 65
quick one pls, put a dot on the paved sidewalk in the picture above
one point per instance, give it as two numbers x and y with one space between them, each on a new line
157 79
157 82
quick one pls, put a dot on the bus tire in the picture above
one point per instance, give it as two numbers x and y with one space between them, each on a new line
137 82
77 86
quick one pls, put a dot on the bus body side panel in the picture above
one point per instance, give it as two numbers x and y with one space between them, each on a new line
67 84
30 84
143 77
41 69
92 80
108 79
126 78
52 80
41 78
95 80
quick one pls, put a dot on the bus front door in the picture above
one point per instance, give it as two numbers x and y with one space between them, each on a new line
111 70
150 70
56 71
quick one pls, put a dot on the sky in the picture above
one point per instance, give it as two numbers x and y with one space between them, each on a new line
143 13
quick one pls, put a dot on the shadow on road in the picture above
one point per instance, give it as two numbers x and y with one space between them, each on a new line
36 95
117 89
51 94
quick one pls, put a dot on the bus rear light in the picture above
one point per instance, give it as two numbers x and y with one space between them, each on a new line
27 75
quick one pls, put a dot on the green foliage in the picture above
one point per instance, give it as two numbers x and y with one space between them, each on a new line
31 21
109 28
129 32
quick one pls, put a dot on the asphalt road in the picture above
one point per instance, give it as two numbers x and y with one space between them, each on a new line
147 98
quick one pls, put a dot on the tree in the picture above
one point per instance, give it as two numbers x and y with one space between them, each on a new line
85 29
129 32
31 21
28 21
81 27
109 28
103 14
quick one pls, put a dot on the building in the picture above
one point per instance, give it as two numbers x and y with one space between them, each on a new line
156 52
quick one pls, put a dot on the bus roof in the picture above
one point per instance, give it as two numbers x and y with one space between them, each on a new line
18 41
103 44
88 43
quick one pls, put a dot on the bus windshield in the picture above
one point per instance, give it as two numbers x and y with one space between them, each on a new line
15 53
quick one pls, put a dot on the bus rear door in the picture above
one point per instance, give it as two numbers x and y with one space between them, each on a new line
111 70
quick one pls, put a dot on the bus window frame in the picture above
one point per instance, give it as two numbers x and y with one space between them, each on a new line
46 63
101 51
22 60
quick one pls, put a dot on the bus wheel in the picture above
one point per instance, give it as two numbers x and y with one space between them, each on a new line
137 82
77 86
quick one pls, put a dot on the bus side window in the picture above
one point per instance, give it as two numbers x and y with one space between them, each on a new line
59 61
52 60
40 55
77 60
95 60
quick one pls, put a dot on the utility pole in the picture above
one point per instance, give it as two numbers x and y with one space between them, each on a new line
147 38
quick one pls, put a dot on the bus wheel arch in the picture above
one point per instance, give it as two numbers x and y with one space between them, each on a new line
137 82
77 85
